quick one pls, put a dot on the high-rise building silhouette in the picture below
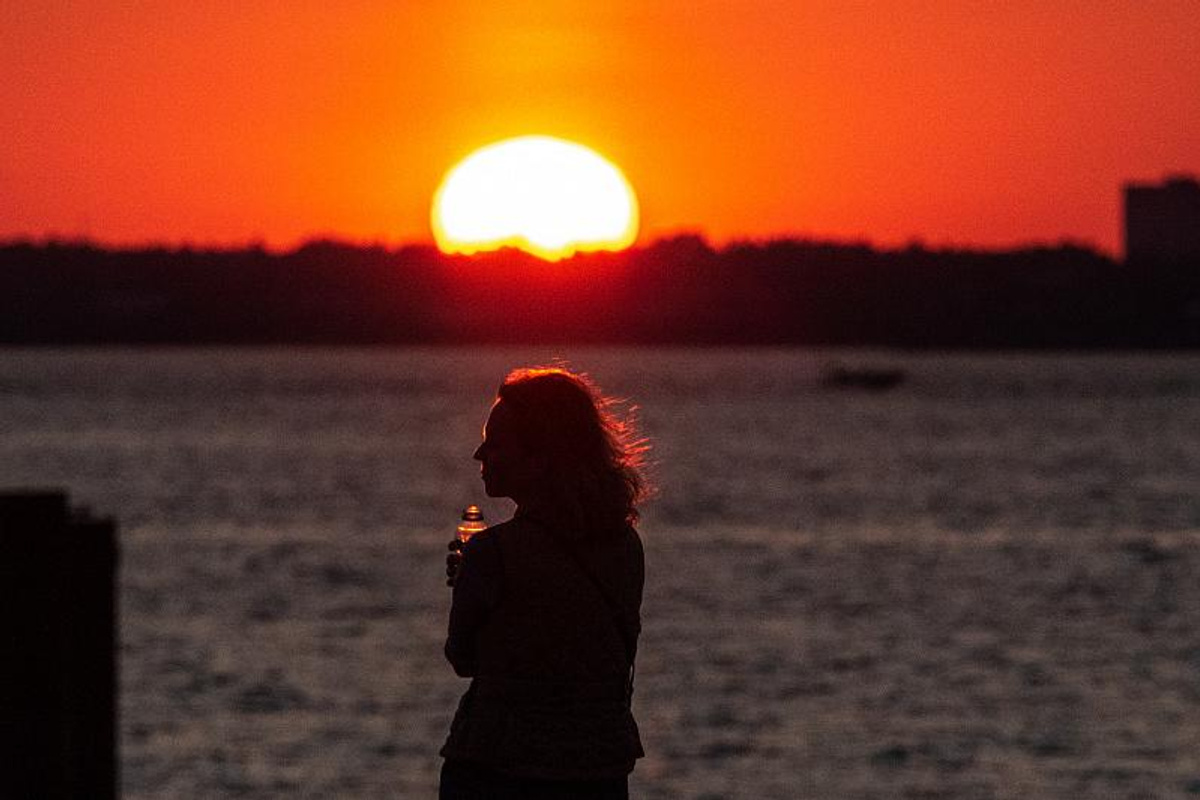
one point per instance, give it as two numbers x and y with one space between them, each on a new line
1162 221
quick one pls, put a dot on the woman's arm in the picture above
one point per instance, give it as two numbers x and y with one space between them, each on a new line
476 592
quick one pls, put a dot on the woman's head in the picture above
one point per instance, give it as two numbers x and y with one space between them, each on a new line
552 440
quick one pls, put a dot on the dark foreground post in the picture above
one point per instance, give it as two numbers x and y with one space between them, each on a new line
58 665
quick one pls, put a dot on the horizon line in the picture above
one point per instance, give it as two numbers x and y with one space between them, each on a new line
682 235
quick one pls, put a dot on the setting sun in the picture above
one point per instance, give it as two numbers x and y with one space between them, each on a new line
547 196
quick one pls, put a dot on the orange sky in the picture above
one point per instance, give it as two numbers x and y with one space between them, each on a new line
982 123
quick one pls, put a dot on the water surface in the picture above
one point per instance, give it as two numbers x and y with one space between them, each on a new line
980 584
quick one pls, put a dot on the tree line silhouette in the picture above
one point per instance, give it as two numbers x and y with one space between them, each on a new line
677 290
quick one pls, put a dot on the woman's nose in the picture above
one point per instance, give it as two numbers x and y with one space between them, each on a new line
478 455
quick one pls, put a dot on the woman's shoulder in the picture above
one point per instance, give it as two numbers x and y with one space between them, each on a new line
531 530
631 541
495 536
509 528
632 536
620 548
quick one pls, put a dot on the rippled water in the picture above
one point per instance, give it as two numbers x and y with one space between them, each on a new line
980 584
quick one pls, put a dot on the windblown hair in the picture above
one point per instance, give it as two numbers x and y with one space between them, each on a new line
594 458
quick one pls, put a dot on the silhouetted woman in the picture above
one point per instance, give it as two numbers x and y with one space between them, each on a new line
546 610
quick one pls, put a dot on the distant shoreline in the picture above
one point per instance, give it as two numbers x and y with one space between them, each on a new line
674 292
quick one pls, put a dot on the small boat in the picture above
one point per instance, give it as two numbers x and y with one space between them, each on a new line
873 379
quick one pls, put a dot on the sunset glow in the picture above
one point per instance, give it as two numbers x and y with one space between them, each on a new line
540 194
980 124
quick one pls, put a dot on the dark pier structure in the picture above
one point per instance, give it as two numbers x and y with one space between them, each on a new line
58 682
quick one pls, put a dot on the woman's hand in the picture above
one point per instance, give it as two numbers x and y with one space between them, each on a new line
453 560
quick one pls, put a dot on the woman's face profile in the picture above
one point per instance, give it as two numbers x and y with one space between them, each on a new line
507 467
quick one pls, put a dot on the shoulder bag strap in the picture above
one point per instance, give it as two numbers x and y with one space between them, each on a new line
614 611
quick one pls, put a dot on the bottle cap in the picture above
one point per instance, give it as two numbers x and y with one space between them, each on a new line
472 513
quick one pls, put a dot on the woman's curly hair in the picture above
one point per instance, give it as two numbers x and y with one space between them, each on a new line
594 457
